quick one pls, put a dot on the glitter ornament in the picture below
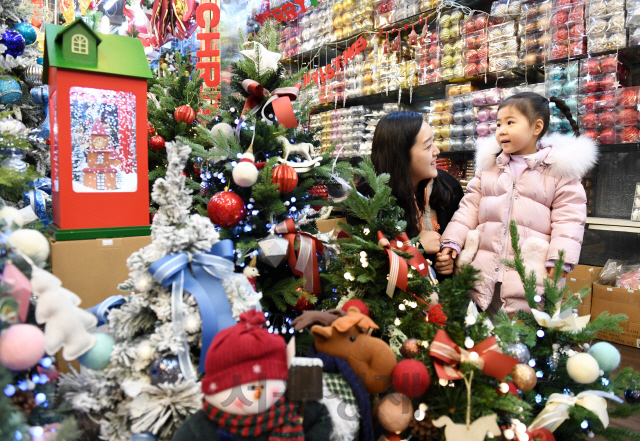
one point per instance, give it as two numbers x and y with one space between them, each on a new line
632 396
592 134
560 36
480 22
410 348
570 87
577 48
555 89
518 350
589 86
628 134
226 209
590 120
28 32
609 65
164 369
156 143
10 90
14 43
557 72
559 51
559 19
524 377
608 118
608 136
627 117
607 101
628 98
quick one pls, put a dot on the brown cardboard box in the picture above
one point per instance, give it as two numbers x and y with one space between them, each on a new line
583 276
325 226
93 268
618 301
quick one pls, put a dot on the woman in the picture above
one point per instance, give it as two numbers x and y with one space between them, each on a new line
403 147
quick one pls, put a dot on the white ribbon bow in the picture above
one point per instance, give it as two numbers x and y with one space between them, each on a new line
557 409
564 320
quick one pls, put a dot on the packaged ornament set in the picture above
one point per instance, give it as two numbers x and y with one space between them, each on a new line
346 127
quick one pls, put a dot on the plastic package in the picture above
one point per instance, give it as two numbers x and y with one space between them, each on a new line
635 210
621 274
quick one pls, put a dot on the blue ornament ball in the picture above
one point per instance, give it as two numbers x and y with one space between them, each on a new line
570 87
10 90
555 89
99 356
144 436
555 123
557 72
14 42
28 32
40 60
572 70
607 356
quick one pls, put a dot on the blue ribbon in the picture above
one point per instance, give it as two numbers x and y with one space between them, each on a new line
199 274
102 309
38 196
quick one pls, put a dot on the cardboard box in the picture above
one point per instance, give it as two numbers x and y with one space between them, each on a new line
618 301
93 268
325 226
583 276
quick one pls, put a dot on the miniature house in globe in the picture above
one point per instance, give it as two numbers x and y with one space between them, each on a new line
98 114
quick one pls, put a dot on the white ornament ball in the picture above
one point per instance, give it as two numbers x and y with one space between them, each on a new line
32 243
223 128
145 350
245 174
583 368
10 126
143 282
10 214
192 323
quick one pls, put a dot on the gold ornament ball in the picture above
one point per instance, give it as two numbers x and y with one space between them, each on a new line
456 16
348 4
367 90
445 21
457 59
447 118
337 22
454 31
444 34
435 119
337 8
447 61
438 106
448 49
524 377
368 78
445 132
410 348
346 18
466 88
445 145
347 31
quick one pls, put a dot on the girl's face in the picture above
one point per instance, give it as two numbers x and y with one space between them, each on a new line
423 156
515 134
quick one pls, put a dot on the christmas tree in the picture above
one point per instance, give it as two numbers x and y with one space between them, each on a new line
151 384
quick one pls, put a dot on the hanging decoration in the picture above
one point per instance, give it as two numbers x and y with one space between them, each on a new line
173 19
245 173
184 114
273 250
67 7
413 37
156 143
304 262
286 178
398 271
267 60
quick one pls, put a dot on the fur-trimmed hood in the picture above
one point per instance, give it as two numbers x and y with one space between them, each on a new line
567 156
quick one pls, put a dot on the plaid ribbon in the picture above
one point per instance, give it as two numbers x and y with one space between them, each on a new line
280 422
447 355
339 387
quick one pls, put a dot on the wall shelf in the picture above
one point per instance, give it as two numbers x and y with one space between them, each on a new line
609 224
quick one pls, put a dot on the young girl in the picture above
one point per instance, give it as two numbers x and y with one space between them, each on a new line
533 181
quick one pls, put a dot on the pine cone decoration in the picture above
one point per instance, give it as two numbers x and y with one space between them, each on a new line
24 400
425 430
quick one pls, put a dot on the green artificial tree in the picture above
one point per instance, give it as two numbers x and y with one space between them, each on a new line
550 348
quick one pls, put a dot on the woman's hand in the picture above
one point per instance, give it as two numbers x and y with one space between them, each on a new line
551 271
430 241
445 261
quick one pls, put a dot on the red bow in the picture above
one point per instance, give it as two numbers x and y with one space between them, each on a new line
417 262
542 434
305 263
447 355
397 266
256 94
280 100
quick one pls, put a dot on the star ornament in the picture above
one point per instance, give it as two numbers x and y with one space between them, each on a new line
616 84
268 60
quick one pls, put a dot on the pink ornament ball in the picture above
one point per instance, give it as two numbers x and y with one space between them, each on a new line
21 347
484 115
608 136
482 129
479 99
411 378
493 97
493 127
493 113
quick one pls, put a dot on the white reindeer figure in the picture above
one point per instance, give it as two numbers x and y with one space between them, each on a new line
303 148
477 431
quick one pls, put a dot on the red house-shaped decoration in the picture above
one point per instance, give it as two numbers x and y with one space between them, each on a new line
98 113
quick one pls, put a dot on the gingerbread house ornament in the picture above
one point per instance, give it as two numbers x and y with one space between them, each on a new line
98 115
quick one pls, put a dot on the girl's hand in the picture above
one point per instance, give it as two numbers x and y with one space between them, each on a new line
444 261
551 271
430 241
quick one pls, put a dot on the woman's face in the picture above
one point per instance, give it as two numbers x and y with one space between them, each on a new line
423 156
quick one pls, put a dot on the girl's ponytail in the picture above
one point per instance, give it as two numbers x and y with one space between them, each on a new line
566 111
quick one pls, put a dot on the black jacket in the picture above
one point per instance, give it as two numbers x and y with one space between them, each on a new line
316 424
444 214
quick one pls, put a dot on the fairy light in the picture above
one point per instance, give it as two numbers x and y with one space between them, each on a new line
540 333
532 363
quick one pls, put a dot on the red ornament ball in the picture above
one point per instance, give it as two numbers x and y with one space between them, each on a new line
156 143
607 82
608 118
628 134
471 56
303 304
593 134
588 102
470 42
184 114
560 36
150 129
286 178
480 22
576 31
591 67
471 69
628 98
483 52
357 304
411 378
607 101
588 86
483 65
627 117
226 209
433 49
559 19
576 16
577 48
608 136
469 26
609 65
590 120
559 51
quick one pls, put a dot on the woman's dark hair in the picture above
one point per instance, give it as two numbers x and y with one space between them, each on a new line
536 107
391 153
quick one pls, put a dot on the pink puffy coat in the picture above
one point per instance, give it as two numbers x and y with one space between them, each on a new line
547 202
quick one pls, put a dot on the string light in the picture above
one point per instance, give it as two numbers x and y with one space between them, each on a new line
540 333
532 363
10 390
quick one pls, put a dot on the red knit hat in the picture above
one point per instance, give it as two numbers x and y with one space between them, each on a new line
242 354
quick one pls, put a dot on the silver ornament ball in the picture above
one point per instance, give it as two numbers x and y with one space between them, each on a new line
519 351
164 369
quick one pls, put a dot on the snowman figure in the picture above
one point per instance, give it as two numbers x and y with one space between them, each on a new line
244 391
